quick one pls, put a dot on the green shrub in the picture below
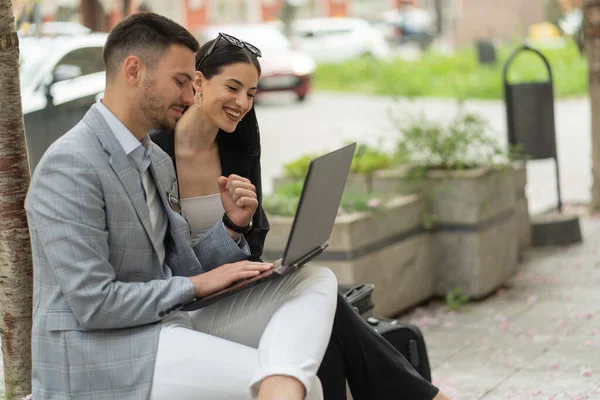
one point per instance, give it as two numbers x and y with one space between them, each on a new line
277 204
459 75
465 142
367 159
298 168
284 201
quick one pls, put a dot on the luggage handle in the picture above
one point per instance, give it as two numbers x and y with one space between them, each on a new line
413 351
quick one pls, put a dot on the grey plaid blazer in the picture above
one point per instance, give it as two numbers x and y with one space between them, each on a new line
99 290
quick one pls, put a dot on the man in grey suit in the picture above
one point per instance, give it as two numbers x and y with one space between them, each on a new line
112 254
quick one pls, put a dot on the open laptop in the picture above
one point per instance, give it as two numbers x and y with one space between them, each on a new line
318 206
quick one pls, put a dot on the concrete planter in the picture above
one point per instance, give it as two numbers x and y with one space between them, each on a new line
474 240
388 248
480 224
394 181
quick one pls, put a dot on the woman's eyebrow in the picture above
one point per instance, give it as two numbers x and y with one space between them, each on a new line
238 82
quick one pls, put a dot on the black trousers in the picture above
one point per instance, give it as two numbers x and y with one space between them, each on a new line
375 370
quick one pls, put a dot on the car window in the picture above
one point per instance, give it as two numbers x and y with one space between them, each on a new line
89 59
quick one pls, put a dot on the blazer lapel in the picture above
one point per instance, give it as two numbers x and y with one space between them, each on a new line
166 183
119 162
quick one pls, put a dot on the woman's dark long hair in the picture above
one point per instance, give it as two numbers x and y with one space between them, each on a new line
246 137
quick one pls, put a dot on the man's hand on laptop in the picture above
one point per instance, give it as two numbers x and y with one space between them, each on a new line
238 196
224 276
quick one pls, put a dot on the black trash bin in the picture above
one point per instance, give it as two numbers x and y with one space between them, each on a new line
530 115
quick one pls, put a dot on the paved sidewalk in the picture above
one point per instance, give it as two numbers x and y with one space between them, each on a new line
537 338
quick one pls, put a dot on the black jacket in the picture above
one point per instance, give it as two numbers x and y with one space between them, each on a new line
233 161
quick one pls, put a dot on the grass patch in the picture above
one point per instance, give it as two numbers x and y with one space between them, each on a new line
456 76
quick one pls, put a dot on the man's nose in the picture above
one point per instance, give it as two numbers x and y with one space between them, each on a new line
188 95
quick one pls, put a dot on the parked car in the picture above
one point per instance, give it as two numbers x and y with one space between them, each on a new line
55 28
61 77
284 68
339 39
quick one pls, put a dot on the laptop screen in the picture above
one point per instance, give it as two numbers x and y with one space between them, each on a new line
319 203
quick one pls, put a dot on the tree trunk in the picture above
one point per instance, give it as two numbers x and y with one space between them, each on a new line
15 249
92 15
592 49
288 14
126 8
439 12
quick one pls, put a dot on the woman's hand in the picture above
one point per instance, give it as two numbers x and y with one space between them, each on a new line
239 199
224 276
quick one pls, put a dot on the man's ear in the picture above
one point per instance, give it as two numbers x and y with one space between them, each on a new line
132 68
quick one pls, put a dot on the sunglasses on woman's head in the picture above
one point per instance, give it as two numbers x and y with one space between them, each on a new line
255 51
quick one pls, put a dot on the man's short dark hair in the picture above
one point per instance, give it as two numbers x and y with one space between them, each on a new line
146 35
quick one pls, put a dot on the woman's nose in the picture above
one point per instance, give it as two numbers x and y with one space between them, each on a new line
242 102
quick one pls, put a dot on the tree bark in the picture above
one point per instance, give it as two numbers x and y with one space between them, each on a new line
15 249
288 14
126 8
591 9
93 15
439 12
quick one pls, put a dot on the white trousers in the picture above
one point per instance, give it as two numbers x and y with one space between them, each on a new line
224 351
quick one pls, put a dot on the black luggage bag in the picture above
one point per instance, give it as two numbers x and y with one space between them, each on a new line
408 340
359 296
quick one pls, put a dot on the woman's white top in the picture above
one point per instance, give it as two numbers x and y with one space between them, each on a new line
202 213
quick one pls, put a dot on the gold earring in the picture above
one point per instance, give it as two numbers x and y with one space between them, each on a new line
198 100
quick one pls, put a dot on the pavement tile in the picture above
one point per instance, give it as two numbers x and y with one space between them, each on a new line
570 354
525 385
467 382
536 338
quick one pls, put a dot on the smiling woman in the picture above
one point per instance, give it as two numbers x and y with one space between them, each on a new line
221 120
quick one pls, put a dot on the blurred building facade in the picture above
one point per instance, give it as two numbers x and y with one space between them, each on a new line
504 20
461 21
101 15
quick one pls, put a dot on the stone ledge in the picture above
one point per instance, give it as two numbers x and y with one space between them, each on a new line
555 229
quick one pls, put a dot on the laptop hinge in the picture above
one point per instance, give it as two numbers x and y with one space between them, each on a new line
303 260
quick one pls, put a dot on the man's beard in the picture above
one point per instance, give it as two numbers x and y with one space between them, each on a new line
153 107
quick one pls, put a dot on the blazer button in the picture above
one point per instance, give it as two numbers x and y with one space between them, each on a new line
161 314
177 306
